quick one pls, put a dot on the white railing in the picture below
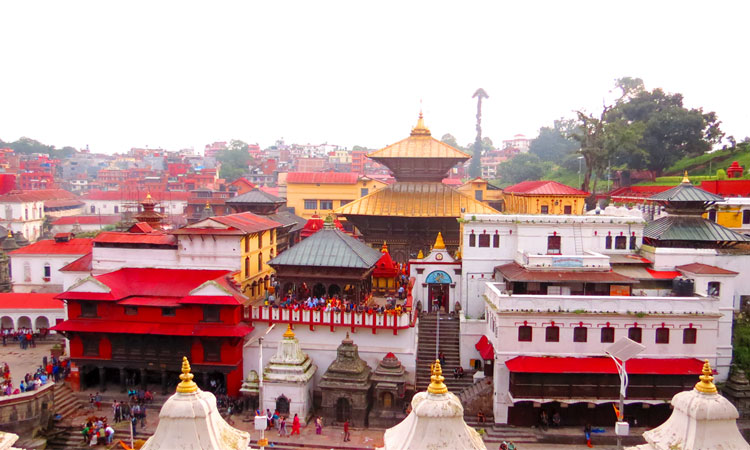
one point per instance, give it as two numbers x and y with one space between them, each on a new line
387 320
588 260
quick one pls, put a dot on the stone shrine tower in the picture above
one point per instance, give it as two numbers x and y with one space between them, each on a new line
287 379
388 380
346 387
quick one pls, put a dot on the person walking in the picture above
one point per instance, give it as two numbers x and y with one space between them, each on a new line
587 435
98 401
282 426
295 425
347 437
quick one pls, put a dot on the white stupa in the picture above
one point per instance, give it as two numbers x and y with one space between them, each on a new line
289 374
436 421
189 420
701 420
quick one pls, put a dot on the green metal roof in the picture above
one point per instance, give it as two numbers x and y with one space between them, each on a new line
686 192
329 248
286 217
256 196
690 228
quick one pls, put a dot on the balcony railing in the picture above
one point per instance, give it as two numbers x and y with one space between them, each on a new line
388 320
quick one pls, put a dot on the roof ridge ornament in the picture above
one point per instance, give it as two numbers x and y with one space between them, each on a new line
436 380
439 243
289 333
420 129
384 248
186 385
706 384
685 178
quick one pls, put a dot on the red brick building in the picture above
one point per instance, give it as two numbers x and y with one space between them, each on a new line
130 327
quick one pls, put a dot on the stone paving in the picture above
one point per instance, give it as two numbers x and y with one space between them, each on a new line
25 361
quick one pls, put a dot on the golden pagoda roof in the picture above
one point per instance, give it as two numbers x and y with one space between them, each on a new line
415 199
420 144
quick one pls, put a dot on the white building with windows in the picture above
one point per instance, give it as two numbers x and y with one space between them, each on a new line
21 212
30 311
36 267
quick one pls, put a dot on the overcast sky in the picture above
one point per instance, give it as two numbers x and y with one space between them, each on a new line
182 74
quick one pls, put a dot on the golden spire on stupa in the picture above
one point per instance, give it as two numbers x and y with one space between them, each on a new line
439 244
706 384
436 380
187 385
420 129
685 178
289 333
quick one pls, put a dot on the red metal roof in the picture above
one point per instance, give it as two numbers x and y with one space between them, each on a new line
322 177
79 246
136 196
663 274
604 365
270 190
385 267
88 220
119 237
514 272
82 264
29 301
240 224
168 329
704 269
38 195
141 227
543 188
315 224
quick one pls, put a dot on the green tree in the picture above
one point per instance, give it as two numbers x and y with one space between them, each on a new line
234 161
555 144
521 168
450 140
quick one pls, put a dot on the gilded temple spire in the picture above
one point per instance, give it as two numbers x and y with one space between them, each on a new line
685 178
186 385
436 380
439 243
706 384
289 333
420 129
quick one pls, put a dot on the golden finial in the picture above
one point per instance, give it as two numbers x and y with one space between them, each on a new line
706 384
458 254
436 380
420 129
439 244
384 248
685 178
10 233
289 333
148 196
420 255
208 205
186 385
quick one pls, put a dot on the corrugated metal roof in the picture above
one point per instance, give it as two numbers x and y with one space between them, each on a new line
88 220
288 218
256 196
78 246
82 264
415 199
686 192
690 228
543 188
328 248
704 269
516 272
419 147
117 237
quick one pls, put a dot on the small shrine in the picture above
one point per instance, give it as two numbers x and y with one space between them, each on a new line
287 379
315 224
346 387
734 170
385 274
149 214
250 389
701 419
737 390
389 389
190 420
437 278
436 420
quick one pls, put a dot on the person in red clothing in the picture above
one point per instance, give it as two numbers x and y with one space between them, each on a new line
347 437
295 425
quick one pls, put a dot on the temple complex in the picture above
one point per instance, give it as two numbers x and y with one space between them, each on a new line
328 262
288 379
272 207
346 387
701 419
190 419
389 386
437 279
436 421
411 211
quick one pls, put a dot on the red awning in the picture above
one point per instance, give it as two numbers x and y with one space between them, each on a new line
166 329
604 365
486 350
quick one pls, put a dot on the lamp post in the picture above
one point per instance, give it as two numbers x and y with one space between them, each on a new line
620 352
262 441
580 168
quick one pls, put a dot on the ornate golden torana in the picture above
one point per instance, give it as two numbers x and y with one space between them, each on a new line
706 384
187 385
436 380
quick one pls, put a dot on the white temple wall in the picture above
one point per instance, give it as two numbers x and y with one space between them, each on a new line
471 332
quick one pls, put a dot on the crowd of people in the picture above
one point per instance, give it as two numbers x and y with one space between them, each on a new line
52 369
279 421
133 410
304 300
97 431
25 337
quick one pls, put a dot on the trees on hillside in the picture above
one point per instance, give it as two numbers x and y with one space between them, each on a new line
521 168
556 143
234 160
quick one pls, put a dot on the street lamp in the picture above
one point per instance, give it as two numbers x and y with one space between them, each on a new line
261 420
580 164
620 352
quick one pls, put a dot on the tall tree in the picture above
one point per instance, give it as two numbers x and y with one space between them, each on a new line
555 144
590 134
475 167
450 140
521 168
234 160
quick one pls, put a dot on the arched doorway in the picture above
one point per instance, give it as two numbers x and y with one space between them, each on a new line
318 290
334 289
24 322
41 322
7 322
387 399
343 409
438 290
282 405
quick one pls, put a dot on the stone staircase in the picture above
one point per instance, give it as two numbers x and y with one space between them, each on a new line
427 349
66 403
68 437
495 434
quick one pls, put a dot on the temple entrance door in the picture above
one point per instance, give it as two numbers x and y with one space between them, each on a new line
439 297
282 405
387 399
343 410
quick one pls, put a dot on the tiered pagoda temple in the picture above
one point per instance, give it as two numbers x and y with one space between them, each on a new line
411 211
385 274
